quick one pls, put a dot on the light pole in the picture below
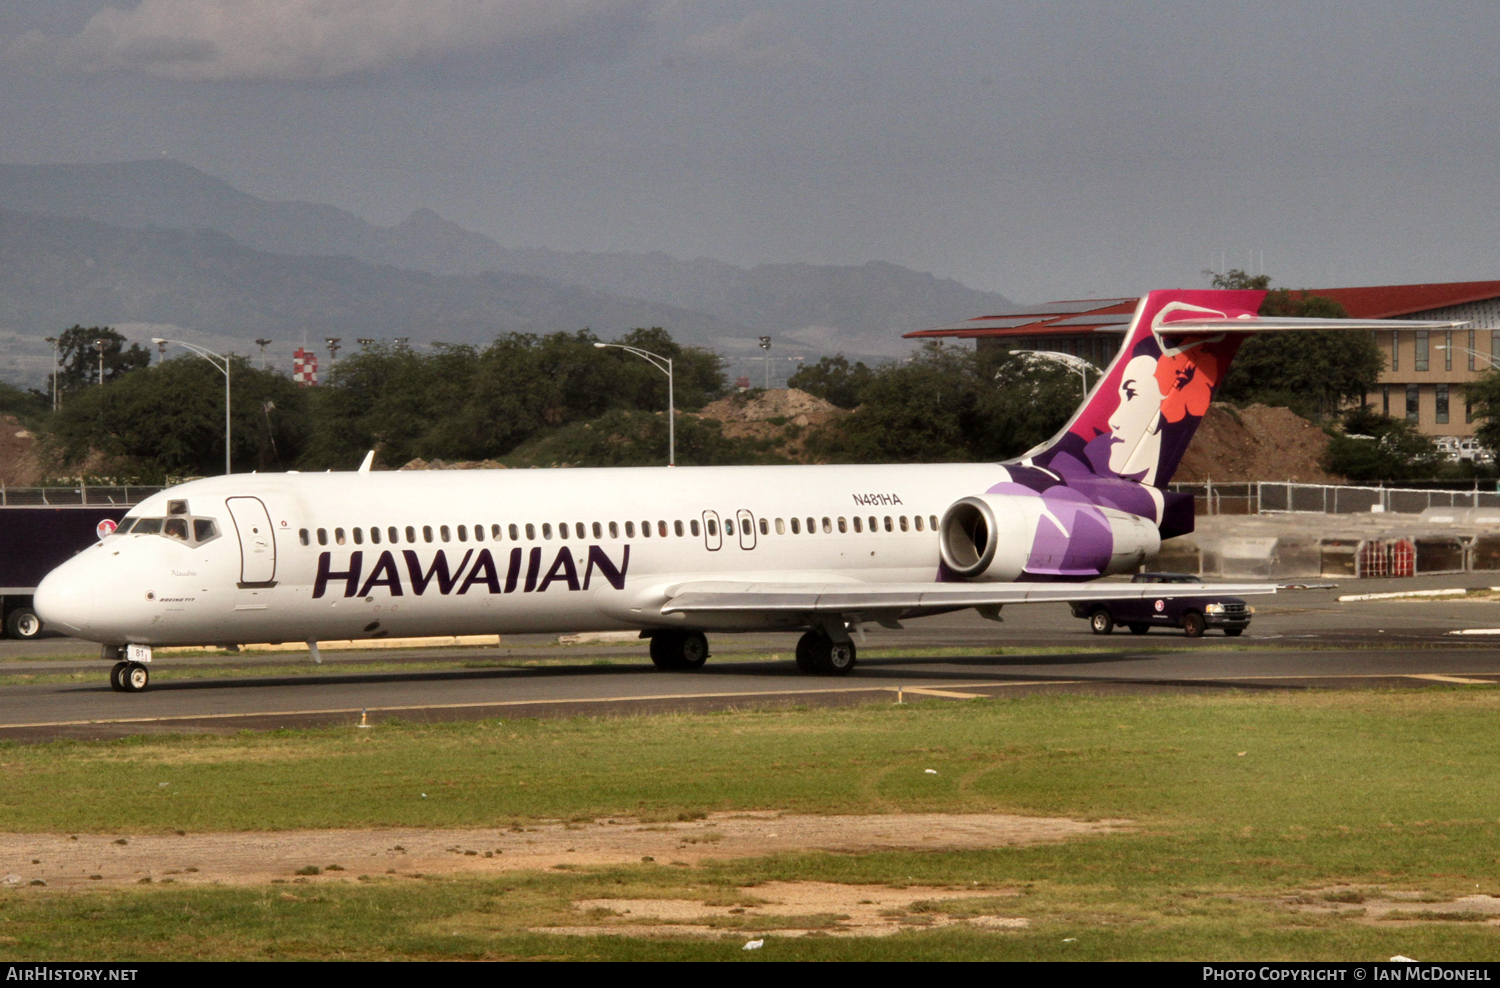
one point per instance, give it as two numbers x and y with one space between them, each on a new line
53 341
99 346
263 344
1494 362
213 358
663 364
333 349
765 344
1067 360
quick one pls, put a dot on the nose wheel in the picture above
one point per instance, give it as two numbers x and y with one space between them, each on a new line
129 677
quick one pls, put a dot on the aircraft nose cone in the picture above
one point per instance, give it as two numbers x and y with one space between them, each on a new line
65 600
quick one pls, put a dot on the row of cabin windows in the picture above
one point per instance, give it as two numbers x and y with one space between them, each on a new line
497 533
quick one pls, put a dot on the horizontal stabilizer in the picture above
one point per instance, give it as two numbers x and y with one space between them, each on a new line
846 598
1283 324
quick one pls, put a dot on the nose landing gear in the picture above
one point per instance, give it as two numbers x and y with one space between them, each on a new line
129 677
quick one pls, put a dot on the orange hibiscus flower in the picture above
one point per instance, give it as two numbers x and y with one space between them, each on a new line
1187 382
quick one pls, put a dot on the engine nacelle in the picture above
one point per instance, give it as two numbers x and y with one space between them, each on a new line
1003 537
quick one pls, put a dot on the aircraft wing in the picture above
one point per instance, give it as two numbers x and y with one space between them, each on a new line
847 598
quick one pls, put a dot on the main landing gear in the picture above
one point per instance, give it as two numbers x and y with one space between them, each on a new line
679 649
129 677
816 653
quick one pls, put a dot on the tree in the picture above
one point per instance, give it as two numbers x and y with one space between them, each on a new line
1484 395
1377 447
78 356
949 404
168 420
1314 374
833 380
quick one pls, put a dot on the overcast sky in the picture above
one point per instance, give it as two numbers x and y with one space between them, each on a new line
1045 150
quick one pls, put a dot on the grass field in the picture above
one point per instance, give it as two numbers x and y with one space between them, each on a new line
1243 807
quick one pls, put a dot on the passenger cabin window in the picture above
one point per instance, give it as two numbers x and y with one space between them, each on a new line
546 530
393 535
857 525
874 524
322 536
842 527
445 533
411 534
661 529
530 532
478 533
693 527
375 534
645 529
903 523
359 535
599 530
495 533
677 527
303 536
177 528
812 526
796 527
338 536
463 533
614 530
919 522
728 526
781 525
765 527
426 533
713 530
888 523
933 519
580 530
562 530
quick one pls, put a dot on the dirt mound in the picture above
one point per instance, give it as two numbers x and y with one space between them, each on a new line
421 464
1255 443
20 463
784 413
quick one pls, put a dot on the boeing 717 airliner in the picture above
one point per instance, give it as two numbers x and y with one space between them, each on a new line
674 553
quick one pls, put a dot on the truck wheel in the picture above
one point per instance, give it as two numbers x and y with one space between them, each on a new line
1100 621
1192 624
1139 629
23 623
1233 632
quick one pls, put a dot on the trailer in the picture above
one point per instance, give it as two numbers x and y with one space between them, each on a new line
41 528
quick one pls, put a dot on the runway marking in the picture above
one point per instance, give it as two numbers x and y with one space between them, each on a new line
351 711
1440 678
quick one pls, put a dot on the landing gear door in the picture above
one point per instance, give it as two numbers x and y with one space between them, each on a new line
257 541
712 537
747 529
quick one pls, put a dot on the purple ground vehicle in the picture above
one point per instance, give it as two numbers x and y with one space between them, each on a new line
1193 615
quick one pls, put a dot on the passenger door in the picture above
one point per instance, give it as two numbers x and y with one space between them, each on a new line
252 522
747 529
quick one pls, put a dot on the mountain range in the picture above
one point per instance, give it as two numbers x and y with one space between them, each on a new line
159 244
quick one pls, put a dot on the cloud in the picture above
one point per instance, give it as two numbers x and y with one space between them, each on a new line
759 40
328 40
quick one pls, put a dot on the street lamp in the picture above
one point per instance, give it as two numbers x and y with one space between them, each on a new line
333 349
663 364
263 344
1067 360
765 344
1463 349
213 358
99 345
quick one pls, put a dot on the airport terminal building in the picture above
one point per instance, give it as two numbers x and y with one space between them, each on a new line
1424 373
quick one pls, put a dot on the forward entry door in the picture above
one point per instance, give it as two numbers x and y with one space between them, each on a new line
257 541
747 529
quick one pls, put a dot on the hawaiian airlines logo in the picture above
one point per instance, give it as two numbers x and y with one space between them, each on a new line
474 570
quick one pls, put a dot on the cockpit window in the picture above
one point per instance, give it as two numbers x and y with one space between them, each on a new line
204 530
148 526
124 525
176 528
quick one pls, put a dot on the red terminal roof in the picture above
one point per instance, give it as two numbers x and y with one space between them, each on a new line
1078 316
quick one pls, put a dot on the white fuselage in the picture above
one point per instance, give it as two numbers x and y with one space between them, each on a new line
399 554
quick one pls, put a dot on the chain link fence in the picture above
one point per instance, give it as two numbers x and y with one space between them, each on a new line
83 494
1285 497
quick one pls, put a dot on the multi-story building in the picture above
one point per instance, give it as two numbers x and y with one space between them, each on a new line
1424 376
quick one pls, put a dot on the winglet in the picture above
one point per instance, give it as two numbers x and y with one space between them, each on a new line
369 462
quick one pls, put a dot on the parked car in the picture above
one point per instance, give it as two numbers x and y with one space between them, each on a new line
1193 615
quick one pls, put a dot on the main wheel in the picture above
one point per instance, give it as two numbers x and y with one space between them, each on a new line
1139 629
679 649
1100 621
117 676
23 623
1193 624
808 649
134 678
839 658
1233 632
